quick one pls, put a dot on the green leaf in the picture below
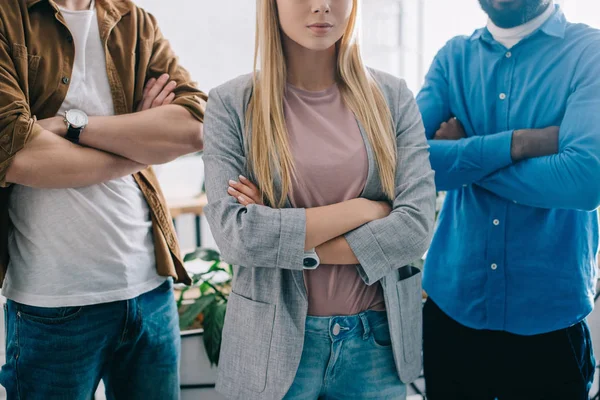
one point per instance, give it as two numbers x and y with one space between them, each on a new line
204 254
189 315
214 318
204 287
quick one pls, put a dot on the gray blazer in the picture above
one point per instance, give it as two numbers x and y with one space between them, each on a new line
263 334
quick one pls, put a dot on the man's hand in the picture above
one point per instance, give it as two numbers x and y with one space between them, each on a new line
158 92
451 130
245 192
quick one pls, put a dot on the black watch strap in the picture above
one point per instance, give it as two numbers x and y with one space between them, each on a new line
73 134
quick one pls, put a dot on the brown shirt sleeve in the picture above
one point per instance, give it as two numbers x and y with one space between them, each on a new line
17 125
164 60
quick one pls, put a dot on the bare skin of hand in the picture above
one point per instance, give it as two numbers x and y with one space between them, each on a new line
450 130
158 92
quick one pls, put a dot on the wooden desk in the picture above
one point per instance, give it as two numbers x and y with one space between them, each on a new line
194 206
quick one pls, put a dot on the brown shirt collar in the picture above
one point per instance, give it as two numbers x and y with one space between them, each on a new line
119 7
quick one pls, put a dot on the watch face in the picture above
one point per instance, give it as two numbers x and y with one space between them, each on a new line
76 118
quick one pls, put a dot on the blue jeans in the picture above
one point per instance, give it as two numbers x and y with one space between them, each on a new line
347 357
62 353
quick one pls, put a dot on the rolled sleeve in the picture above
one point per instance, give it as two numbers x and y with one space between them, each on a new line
252 236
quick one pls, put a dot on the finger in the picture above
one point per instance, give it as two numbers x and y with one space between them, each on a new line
149 85
169 99
154 91
248 183
246 190
167 90
147 88
244 200
443 125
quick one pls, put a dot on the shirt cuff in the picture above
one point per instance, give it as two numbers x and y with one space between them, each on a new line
495 150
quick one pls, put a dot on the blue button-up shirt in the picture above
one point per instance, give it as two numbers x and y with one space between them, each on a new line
516 243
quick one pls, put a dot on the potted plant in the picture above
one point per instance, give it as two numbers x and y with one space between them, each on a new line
201 308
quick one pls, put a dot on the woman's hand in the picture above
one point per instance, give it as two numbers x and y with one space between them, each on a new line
245 192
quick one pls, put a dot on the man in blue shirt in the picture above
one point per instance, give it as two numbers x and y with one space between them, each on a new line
512 114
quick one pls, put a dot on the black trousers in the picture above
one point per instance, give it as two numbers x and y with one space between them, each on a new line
468 364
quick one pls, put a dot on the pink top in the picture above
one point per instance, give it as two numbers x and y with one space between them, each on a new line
331 166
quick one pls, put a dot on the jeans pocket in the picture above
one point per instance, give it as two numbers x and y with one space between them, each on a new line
380 336
48 316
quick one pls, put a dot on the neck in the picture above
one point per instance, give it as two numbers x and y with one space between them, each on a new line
309 69
74 5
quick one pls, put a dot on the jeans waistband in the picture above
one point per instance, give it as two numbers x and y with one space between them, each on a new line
345 326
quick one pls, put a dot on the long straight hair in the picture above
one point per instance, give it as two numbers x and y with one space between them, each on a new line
269 152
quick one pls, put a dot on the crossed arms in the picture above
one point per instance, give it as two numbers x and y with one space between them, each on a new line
535 167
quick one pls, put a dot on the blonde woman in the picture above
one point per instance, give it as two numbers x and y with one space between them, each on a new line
323 304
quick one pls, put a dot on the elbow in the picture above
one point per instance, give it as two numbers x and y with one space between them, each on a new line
590 201
196 136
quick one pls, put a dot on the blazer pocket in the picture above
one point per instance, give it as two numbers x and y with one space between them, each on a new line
411 311
246 342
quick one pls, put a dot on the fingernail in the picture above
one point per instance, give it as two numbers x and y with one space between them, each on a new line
240 198
231 182
165 76
173 83
230 190
242 177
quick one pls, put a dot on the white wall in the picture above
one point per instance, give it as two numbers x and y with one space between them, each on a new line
214 39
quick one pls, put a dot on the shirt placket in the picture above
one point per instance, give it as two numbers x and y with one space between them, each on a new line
496 223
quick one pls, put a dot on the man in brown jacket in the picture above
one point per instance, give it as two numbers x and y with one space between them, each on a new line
91 95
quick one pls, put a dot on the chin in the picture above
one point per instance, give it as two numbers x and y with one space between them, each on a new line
317 45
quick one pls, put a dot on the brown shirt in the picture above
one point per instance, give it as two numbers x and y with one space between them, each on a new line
331 166
36 61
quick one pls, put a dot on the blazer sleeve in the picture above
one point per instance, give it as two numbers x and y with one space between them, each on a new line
389 243
252 236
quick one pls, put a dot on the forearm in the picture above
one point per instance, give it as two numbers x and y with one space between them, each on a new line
52 162
328 222
154 136
462 162
337 251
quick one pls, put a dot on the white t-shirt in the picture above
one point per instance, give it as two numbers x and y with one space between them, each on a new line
511 36
75 247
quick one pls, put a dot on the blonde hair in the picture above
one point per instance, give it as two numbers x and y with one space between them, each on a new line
269 152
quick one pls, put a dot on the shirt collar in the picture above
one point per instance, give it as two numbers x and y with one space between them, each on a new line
119 7
555 26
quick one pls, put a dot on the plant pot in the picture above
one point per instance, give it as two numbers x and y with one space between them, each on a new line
197 376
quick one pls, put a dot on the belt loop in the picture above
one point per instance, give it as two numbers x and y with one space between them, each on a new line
365 324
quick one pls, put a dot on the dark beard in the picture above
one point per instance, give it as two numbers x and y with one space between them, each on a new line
509 17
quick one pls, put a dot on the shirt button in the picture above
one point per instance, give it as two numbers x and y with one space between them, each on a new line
336 329
508 54
502 96
65 80
494 267
496 222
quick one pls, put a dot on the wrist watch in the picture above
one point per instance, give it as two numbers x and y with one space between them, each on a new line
311 259
76 121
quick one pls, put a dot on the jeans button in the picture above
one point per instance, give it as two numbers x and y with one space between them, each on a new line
336 329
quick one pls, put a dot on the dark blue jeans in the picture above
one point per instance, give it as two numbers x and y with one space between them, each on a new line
62 353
